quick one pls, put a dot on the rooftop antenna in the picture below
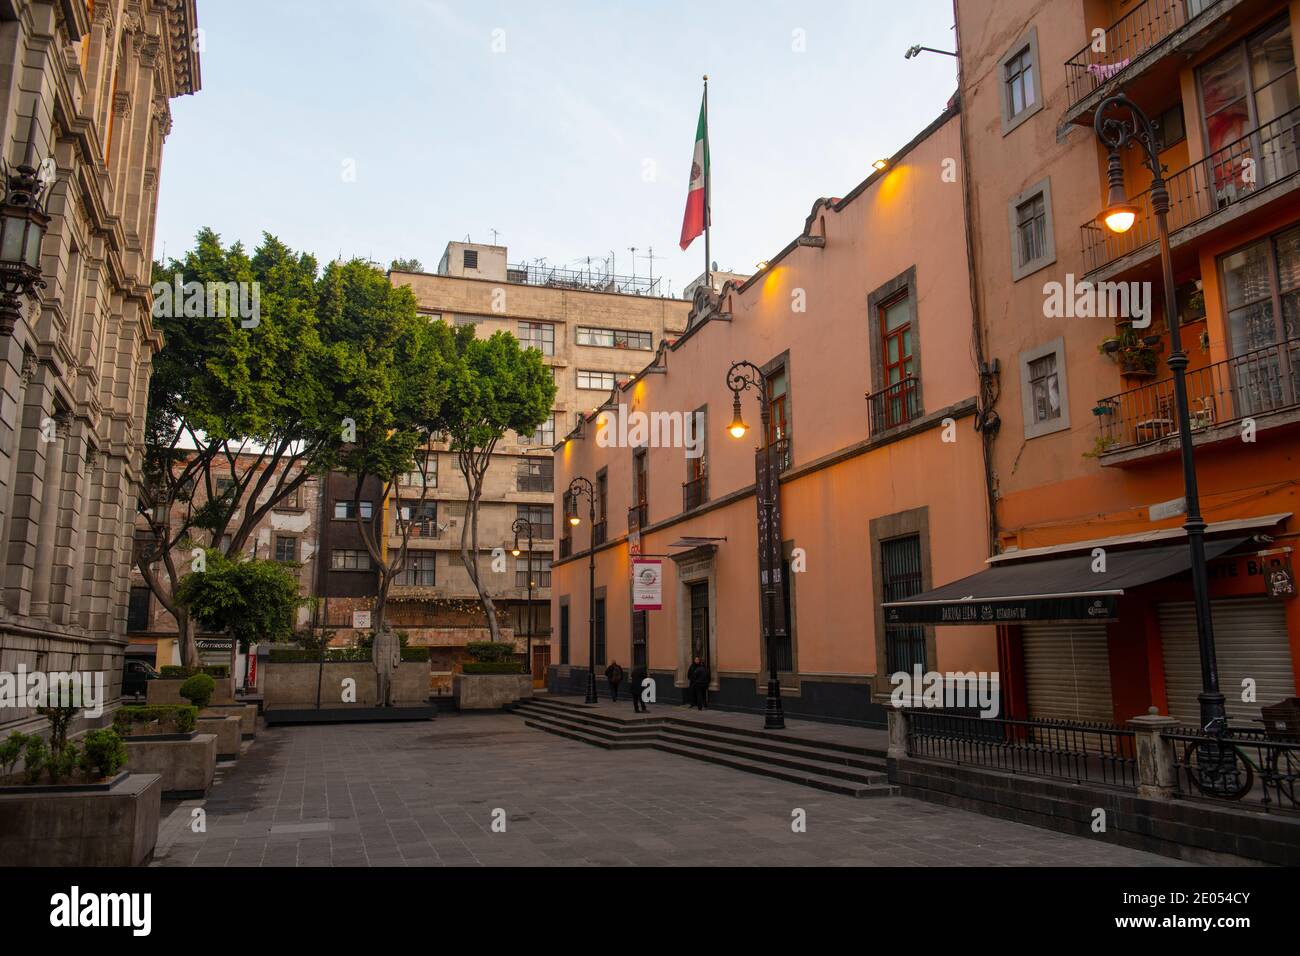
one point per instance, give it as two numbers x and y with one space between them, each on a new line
494 236
632 249
651 258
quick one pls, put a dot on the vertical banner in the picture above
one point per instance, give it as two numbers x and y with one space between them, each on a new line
647 585
767 488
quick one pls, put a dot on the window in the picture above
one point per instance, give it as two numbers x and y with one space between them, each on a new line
1045 401
1032 244
221 486
537 335
615 338
349 561
598 380
470 259
1246 87
344 510
286 549
422 516
1021 88
544 437
778 406
602 495
293 500
541 517
600 631
697 437
428 478
418 571
1261 288
640 477
564 632
898 400
900 562
1170 127
535 474
137 609
541 571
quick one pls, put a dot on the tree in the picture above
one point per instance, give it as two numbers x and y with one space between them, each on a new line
250 599
406 265
246 397
493 386
393 381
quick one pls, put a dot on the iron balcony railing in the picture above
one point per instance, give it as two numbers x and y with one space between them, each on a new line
1245 386
1260 159
420 528
566 547
1079 752
1128 39
896 405
695 492
599 532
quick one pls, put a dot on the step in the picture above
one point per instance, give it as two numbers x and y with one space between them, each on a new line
602 733
586 713
586 738
820 782
778 745
806 764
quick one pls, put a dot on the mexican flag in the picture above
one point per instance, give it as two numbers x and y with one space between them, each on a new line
697 211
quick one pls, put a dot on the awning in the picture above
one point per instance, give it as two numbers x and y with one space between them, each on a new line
1064 588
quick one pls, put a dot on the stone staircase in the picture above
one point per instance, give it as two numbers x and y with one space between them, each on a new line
785 755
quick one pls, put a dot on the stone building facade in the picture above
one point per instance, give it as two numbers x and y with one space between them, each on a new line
85 92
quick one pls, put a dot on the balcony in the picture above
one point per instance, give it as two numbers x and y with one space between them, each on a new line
566 547
599 533
896 405
695 493
1261 383
1229 178
1133 45
426 528
636 516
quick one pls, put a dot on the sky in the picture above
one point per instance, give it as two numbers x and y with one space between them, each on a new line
386 128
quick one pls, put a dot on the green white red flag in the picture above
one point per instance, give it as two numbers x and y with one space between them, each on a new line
696 218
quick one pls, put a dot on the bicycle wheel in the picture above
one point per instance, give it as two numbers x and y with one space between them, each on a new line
1217 769
1284 769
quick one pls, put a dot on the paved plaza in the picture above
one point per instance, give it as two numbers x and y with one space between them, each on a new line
426 794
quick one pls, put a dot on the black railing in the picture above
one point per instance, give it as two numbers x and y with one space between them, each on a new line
420 528
1245 765
599 533
1132 36
695 492
566 547
895 405
636 516
595 278
1260 159
1079 752
1244 386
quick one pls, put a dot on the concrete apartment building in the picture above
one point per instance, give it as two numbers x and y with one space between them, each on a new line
593 329
85 93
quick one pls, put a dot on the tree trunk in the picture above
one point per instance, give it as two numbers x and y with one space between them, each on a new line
471 530
189 648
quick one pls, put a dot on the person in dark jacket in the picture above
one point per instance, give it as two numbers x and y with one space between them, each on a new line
638 678
699 679
688 696
614 674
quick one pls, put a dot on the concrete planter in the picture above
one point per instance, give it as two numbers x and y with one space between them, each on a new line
226 729
76 826
292 685
247 714
491 691
185 763
169 691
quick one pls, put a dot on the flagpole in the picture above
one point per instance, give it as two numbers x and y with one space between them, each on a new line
708 215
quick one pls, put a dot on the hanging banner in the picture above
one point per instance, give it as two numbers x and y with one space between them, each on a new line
768 487
647 585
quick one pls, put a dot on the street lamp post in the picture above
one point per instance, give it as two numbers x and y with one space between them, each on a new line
581 486
1118 133
524 526
742 376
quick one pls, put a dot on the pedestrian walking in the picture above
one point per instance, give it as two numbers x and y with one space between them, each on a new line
614 674
638 679
699 680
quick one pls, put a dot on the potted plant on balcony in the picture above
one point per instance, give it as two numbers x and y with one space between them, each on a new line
1135 355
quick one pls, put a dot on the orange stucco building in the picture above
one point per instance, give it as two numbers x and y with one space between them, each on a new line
861 327
1083 448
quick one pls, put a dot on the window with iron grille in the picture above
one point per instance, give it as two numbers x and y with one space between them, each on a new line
900 563
137 609
535 474
419 570
600 631
537 335
471 259
597 380
541 517
286 549
541 572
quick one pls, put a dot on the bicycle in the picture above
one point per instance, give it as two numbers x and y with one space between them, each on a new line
1220 767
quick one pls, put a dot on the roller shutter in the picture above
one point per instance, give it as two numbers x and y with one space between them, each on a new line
1067 672
1250 641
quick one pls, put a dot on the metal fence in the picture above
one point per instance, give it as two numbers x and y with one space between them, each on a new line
1245 765
1078 752
695 493
896 405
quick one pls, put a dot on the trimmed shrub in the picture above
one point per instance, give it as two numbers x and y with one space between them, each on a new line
181 717
491 651
415 654
11 750
493 667
64 763
198 689
174 672
177 672
35 756
105 753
